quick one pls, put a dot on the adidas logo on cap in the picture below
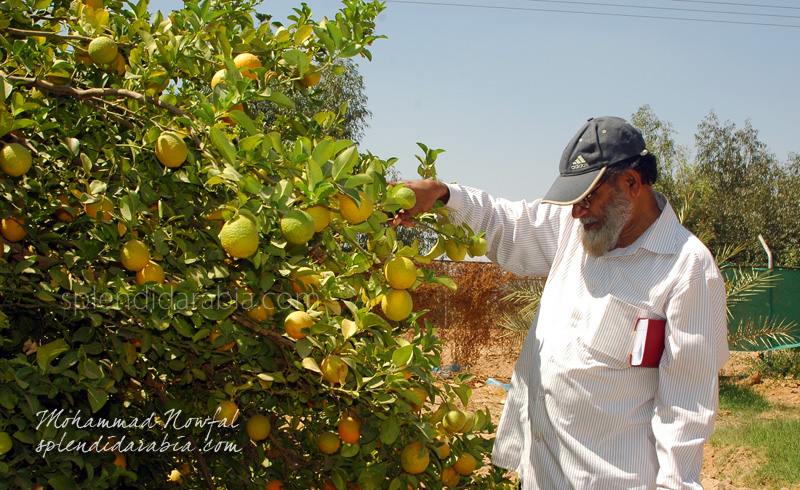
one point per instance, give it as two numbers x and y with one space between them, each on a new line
578 163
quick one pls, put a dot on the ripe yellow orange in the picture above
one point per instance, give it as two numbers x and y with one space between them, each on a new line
218 77
455 250
117 66
226 413
222 348
297 227
258 427
450 477
465 464
295 322
328 442
15 159
262 311
304 280
353 213
397 304
422 395
244 62
321 216
400 272
312 77
103 50
134 255
62 212
119 460
239 237
334 369
414 458
442 448
12 229
274 485
152 272
349 429
99 210
171 150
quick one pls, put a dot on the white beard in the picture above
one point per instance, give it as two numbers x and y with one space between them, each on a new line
618 212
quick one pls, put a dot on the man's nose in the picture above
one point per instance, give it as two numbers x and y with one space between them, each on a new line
579 211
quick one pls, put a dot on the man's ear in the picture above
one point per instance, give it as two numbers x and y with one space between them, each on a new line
631 181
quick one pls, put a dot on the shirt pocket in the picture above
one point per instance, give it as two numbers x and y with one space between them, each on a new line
608 337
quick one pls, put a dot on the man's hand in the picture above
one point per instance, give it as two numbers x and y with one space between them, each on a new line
427 191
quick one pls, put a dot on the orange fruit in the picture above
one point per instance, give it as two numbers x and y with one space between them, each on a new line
414 458
99 210
356 213
15 159
244 62
450 477
295 322
328 442
226 413
62 212
258 427
12 229
397 304
400 272
151 272
274 485
349 429
465 464
134 255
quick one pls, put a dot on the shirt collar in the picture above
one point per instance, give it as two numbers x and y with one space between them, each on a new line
660 236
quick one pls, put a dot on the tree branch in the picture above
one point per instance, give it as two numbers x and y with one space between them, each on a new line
48 34
79 93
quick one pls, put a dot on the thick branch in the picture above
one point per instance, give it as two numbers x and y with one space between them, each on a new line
79 93
48 34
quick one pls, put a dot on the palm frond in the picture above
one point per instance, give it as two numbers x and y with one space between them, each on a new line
746 284
727 252
753 335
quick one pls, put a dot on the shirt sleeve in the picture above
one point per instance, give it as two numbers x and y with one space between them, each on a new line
522 236
688 391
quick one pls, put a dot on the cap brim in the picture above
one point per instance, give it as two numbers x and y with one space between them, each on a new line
567 191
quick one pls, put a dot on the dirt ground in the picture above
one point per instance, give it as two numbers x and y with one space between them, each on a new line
498 359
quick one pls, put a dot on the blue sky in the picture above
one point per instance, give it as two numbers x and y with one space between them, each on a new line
502 90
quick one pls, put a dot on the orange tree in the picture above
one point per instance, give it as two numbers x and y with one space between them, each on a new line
186 295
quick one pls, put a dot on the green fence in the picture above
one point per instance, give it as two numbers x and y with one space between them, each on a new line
777 305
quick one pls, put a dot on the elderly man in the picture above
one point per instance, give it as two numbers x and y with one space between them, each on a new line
616 386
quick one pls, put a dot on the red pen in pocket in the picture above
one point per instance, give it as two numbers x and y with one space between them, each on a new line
648 342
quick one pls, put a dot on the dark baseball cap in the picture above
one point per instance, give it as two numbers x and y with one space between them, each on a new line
601 142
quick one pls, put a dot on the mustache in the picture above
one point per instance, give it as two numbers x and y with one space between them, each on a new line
588 220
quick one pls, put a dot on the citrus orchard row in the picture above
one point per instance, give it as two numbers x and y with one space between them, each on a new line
151 220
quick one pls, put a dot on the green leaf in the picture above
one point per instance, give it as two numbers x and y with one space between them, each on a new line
310 364
464 393
214 313
48 352
401 356
390 430
372 476
222 145
97 398
244 121
280 99
344 163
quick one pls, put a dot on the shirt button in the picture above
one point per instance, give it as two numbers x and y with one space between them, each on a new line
552 359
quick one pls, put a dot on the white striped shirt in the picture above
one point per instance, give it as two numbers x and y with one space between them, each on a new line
578 416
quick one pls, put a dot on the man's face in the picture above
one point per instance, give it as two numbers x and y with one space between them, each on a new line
604 220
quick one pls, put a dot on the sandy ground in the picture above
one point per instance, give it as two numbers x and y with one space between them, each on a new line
498 361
